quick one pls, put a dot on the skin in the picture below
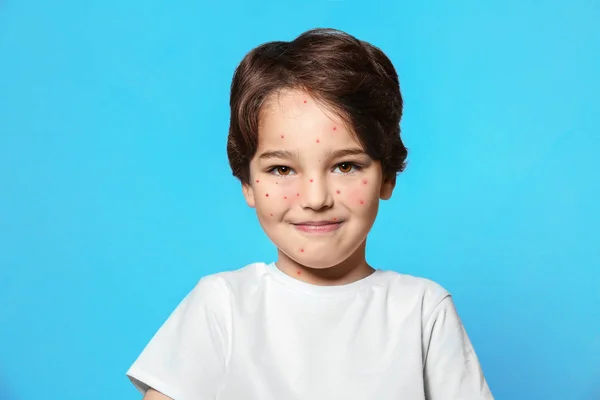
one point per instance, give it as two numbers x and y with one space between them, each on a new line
300 173
152 394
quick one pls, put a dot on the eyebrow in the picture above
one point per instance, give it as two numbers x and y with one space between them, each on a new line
356 151
287 154
283 154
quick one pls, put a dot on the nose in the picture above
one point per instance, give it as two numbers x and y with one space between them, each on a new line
316 194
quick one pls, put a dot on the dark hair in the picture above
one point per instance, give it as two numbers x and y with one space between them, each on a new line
353 78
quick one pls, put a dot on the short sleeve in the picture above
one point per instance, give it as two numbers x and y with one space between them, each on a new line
452 370
186 358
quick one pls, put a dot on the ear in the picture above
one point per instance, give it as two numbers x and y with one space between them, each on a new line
387 187
248 194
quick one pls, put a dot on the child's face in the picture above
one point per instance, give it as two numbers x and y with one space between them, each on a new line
315 191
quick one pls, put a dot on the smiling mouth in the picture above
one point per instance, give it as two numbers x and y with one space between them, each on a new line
318 227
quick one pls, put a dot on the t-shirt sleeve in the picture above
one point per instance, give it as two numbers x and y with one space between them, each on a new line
185 360
452 370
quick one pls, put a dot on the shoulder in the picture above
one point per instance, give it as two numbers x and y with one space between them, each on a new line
215 294
406 284
231 281
414 291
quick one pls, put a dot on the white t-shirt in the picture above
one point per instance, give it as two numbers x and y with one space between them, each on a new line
258 334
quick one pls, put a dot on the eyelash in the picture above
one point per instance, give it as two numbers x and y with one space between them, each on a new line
356 168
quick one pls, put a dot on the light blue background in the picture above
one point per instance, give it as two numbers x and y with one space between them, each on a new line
116 197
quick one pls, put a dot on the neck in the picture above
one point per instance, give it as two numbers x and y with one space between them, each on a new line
352 269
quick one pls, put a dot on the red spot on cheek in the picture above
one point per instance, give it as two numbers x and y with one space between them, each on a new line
271 214
301 250
318 141
334 218
334 128
311 180
267 195
338 192
257 181
297 194
304 101
298 272
365 182
362 202
282 136
285 197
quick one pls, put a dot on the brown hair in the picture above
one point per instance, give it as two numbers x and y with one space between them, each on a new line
351 77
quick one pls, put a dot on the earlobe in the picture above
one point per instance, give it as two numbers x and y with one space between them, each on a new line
387 188
248 194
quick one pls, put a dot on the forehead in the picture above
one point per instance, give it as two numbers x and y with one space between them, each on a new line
298 117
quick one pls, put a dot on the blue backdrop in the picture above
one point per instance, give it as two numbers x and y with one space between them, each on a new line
116 197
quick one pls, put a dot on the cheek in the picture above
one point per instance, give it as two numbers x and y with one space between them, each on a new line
275 198
359 195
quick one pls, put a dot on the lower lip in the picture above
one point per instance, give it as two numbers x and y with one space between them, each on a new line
319 228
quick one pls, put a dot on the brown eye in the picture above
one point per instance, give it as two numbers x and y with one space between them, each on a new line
283 170
345 167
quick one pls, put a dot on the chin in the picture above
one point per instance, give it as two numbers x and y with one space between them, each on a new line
317 263
318 259
317 254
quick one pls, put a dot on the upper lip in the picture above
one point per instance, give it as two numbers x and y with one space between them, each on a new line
318 223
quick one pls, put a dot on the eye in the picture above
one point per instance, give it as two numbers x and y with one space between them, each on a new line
280 170
283 170
347 167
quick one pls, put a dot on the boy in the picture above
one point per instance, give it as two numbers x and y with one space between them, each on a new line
315 141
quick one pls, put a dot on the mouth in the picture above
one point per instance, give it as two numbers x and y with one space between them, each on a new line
318 226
